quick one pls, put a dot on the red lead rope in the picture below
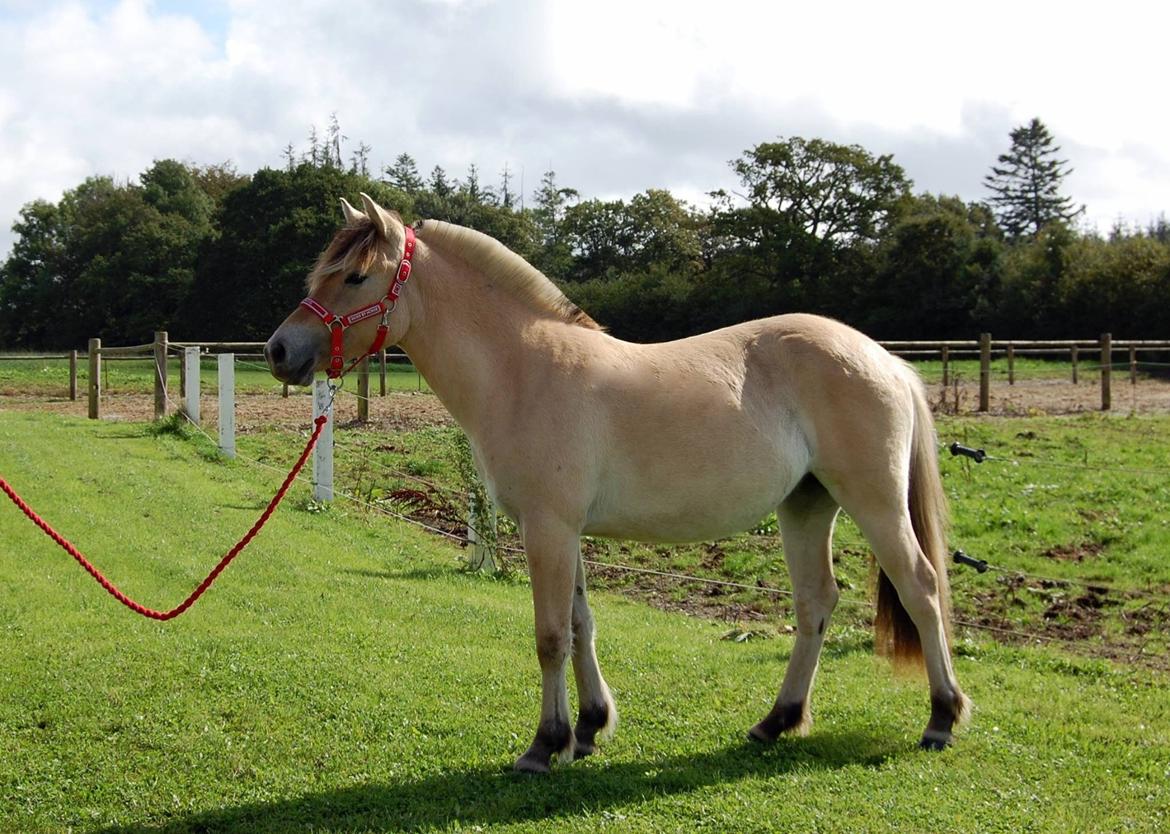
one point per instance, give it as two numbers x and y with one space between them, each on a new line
68 547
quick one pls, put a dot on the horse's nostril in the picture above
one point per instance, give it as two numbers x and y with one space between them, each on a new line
276 353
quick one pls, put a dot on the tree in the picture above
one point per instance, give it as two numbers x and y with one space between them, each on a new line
506 195
332 151
1025 185
32 280
811 213
945 255
611 239
271 229
359 160
403 174
835 193
551 201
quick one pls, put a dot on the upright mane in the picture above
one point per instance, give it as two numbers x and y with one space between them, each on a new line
506 268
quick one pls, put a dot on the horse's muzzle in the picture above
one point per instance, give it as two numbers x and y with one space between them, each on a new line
289 363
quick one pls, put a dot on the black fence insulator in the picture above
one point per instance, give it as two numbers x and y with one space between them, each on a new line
962 558
977 455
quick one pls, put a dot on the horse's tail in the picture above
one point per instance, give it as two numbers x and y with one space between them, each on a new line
895 633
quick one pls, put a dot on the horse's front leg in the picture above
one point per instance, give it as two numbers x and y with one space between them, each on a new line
552 563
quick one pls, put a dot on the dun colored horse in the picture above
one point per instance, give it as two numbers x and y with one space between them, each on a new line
575 432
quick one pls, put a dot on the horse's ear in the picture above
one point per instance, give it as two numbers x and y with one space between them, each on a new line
352 215
388 223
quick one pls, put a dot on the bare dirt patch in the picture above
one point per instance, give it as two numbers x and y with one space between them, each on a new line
1035 397
397 411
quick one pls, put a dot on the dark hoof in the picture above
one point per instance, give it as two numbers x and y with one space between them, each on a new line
531 764
784 718
552 739
590 722
933 741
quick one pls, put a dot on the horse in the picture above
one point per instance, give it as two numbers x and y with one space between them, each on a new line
575 432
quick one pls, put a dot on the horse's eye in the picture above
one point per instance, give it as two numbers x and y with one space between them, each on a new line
354 278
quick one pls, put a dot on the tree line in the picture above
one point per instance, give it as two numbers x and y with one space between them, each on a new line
209 253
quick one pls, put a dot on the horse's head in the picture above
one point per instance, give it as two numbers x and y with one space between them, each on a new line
355 274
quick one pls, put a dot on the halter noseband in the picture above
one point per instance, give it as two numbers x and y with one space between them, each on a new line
339 324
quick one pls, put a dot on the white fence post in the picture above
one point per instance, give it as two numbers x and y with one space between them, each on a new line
191 383
227 404
323 454
481 535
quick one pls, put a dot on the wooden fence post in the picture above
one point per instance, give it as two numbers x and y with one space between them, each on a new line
363 390
95 379
1132 365
323 454
946 360
1106 371
160 374
382 373
73 375
191 383
985 372
1073 354
1011 350
227 404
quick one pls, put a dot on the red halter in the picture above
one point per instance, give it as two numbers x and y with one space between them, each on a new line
339 324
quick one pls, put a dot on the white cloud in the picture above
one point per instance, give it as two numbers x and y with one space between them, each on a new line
616 95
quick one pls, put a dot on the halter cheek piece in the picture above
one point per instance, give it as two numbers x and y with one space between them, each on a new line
339 324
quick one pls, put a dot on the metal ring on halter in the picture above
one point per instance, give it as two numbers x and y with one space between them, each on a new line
389 309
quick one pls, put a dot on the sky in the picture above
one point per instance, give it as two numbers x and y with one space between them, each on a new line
616 96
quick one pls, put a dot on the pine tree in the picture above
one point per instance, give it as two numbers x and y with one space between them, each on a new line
440 184
404 174
333 143
314 156
359 160
506 196
1025 185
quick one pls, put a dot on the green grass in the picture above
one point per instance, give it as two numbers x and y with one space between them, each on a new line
344 675
50 377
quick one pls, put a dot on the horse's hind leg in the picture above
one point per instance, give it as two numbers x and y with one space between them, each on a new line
885 521
806 521
596 716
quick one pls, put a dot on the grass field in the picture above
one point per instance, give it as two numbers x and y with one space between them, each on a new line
344 675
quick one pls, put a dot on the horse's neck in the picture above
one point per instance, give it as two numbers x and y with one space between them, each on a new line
466 341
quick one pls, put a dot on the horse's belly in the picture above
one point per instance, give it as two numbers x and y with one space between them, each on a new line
680 525
696 504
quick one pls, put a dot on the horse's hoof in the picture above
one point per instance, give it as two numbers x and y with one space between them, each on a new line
783 718
934 741
530 764
760 734
580 751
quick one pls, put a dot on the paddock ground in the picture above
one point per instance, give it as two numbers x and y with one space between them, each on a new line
411 409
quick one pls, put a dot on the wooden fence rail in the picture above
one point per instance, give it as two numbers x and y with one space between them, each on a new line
985 348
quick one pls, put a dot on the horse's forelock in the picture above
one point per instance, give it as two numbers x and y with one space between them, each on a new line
353 249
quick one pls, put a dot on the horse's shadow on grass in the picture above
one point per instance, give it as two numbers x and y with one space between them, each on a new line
495 795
